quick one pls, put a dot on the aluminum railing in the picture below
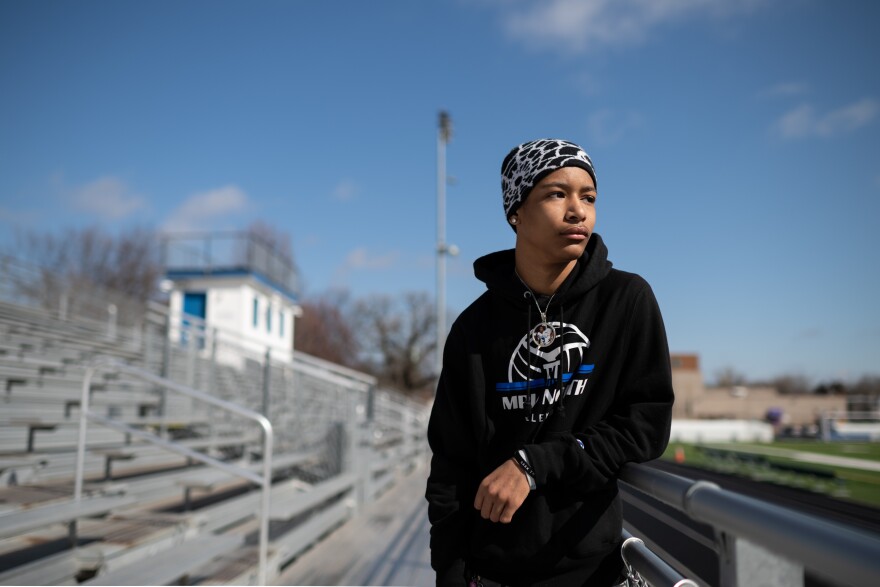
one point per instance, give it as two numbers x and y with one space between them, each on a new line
751 533
643 567
264 480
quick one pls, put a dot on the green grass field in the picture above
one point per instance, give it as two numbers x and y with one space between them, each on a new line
784 463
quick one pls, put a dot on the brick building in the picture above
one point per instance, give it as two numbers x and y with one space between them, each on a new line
695 401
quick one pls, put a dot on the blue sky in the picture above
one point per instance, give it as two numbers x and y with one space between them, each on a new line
737 144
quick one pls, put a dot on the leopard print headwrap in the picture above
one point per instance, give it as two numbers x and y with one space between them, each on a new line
530 162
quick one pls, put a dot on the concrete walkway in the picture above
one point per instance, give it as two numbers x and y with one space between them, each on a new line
385 544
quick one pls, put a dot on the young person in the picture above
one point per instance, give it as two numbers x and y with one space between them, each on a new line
552 379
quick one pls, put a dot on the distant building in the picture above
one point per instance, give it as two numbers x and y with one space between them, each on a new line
234 288
694 401
687 380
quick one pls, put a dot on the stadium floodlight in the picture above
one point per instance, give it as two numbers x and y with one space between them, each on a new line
444 134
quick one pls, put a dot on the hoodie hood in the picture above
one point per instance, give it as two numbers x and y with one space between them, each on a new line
497 271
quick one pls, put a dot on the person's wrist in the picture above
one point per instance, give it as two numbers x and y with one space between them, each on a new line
523 464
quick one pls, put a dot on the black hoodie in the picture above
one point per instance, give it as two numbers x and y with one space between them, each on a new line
499 393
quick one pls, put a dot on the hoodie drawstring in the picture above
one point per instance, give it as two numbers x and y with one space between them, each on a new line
561 401
528 294
559 405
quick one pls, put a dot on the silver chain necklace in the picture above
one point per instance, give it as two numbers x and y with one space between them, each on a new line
543 334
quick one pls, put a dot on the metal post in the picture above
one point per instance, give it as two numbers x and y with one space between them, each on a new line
212 380
650 567
443 135
267 366
191 349
825 426
166 348
212 374
742 562
79 473
148 342
62 305
165 370
111 321
137 334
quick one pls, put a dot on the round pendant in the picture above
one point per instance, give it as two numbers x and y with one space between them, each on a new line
543 335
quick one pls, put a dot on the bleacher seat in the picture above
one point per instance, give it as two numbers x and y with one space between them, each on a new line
43 361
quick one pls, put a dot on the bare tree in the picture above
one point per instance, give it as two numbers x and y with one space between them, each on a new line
729 377
830 388
868 385
274 239
864 395
272 245
398 339
127 263
84 270
325 330
791 384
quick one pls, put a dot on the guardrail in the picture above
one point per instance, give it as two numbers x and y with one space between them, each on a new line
752 534
264 480
643 567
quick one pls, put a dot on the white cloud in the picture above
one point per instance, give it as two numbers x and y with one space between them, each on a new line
582 25
26 217
804 121
610 126
109 198
784 89
588 84
345 191
360 258
203 210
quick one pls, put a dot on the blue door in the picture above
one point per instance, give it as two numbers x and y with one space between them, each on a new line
194 305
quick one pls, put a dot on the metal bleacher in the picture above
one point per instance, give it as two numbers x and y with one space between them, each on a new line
161 473
119 465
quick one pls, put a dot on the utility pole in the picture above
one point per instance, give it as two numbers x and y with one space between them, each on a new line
444 133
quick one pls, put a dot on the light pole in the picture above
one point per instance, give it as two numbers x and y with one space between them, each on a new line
444 133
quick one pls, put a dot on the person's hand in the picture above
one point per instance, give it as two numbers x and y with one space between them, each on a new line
502 492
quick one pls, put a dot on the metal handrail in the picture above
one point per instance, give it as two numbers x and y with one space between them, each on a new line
648 565
198 328
264 480
828 547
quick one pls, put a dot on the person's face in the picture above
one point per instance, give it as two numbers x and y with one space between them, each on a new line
557 218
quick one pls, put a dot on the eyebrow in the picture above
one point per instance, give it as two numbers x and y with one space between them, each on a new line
562 184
